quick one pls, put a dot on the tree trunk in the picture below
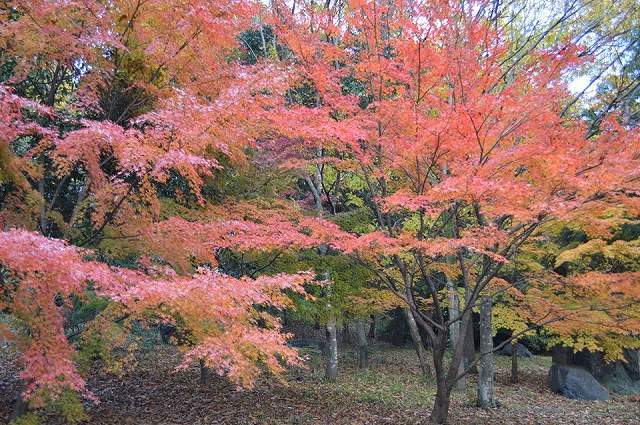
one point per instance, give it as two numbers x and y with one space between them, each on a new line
43 220
461 384
346 335
418 344
454 333
514 363
324 344
470 346
21 406
363 349
331 372
372 327
440 410
454 305
204 373
398 327
486 392
561 355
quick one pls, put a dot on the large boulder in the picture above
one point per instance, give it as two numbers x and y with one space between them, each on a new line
622 377
618 380
633 363
521 350
575 383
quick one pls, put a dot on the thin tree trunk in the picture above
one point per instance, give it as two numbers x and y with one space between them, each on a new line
454 311
81 197
514 363
461 384
204 373
486 391
454 333
418 344
346 335
21 406
363 348
399 326
43 220
470 346
331 372
372 327
264 42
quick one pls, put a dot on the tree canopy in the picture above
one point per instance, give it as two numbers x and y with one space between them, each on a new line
211 163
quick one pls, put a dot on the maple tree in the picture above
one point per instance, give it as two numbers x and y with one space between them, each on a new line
106 113
461 159
118 119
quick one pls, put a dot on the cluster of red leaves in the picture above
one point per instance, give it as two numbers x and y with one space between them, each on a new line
222 312
49 272
445 125
438 105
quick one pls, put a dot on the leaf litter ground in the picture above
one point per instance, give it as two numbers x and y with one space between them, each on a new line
389 392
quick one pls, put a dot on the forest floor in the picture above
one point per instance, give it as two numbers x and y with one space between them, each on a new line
391 391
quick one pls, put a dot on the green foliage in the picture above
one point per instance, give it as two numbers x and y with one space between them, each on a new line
111 341
85 310
537 341
597 254
348 294
359 221
305 94
250 181
627 232
30 418
353 86
260 43
68 406
506 317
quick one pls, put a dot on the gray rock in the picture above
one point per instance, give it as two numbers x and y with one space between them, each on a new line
593 361
575 383
633 363
521 350
618 377
618 380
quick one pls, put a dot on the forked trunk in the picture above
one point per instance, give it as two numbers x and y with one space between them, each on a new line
331 372
363 348
418 344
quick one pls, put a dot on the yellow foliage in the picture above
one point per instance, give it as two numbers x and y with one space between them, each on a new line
624 254
506 317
